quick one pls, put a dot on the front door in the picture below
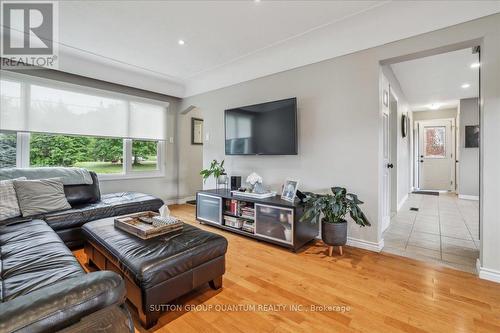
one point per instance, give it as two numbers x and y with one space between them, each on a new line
436 154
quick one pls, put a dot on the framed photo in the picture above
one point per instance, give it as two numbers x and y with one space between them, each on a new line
404 125
472 136
290 190
196 131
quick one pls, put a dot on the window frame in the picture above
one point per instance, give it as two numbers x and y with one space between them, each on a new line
23 159
23 138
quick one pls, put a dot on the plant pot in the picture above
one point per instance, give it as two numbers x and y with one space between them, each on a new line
334 234
221 182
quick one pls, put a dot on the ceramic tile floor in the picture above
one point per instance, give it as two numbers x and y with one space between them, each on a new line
445 230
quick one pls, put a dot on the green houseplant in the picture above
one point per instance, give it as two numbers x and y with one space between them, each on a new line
334 208
216 170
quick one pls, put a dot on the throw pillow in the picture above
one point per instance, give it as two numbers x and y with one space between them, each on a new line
40 196
9 206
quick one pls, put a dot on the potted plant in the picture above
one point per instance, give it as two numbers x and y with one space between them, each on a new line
217 170
334 208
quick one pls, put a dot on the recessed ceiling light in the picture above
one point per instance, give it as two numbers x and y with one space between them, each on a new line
434 106
256 0
475 65
465 85
181 42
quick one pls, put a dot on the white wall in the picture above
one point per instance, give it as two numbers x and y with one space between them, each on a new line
339 124
468 183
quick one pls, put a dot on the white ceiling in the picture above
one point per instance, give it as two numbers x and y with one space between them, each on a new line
438 79
135 42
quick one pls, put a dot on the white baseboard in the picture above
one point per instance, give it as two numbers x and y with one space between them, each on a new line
488 274
468 197
179 201
402 202
362 244
365 245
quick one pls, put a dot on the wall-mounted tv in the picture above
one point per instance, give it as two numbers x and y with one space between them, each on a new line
262 129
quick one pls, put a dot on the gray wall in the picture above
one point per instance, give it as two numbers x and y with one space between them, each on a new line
435 114
190 179
339 123
338 144
468 183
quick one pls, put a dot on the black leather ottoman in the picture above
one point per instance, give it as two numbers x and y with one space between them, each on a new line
159 270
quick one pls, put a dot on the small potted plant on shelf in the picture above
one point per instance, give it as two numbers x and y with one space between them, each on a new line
216 170
334 208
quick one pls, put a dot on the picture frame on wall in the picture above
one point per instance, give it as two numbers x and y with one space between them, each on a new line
404 125
290 189
472 136
196 131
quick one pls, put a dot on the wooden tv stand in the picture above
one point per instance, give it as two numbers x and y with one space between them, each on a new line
274 220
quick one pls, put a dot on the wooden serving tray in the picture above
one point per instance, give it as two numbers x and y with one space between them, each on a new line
131 224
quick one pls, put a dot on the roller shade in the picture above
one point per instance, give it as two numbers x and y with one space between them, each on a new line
47 106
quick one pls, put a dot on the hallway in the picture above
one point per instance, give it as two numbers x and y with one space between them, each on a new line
444 230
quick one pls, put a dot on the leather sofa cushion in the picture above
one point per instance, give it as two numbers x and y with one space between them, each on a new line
78 215
32 257
153 261
83 194
113 204
131 202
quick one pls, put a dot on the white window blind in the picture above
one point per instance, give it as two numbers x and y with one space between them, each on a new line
46 106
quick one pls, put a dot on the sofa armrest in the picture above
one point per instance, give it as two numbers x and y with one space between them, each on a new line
62 304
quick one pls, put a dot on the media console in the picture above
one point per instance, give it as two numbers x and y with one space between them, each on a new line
272 220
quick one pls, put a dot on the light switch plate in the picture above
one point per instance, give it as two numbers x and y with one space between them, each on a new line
171 139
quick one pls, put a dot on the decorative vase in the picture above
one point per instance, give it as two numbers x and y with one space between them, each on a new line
334 234
221 182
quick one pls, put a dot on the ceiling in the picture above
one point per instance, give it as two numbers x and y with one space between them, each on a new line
438 79
226 42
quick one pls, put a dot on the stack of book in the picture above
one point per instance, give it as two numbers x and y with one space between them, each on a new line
232 207
248 226
247 212
233 222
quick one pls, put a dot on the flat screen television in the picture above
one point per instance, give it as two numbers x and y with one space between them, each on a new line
262 129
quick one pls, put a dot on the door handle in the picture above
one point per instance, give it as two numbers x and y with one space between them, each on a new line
390 165
421 161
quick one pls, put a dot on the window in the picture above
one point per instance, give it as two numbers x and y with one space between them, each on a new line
50 123
434 142
144 155
8 152
102 155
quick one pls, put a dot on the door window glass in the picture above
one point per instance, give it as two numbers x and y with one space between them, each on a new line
434 142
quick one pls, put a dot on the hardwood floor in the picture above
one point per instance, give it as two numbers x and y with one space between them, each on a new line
383 292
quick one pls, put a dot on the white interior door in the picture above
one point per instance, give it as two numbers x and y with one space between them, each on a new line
436 154
386 167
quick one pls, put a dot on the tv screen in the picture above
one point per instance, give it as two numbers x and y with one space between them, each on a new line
262 129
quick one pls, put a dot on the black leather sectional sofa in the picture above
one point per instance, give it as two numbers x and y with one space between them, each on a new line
43 288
